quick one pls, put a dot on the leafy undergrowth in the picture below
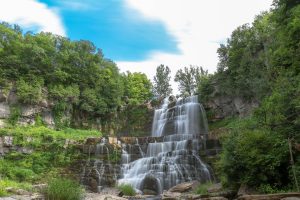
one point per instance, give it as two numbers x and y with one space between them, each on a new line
127 189
202 188
44 132
5 183
256 156
223 123
39 153
63 189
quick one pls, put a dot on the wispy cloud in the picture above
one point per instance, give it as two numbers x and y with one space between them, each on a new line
198 26
31 14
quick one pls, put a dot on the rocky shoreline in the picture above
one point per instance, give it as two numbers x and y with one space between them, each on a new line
183 191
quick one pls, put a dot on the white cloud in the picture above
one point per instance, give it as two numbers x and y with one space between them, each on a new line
197 25
31 14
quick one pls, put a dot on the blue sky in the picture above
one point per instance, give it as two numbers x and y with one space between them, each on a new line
121 32
139 35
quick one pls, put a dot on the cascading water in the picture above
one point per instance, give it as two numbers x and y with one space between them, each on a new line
183 126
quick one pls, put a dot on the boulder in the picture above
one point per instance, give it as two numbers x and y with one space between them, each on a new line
7 141
183 187
150 183
214 188
167 195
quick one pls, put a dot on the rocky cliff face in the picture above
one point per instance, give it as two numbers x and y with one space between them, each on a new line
26 113
221 105
127 121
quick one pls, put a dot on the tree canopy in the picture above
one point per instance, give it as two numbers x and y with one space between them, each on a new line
74 75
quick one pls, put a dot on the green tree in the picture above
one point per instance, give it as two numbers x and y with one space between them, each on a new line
189 78
138 87
162 87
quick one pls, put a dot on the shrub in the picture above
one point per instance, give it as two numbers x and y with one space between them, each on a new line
202 188
5 183
63 189
3 192
29 92
127 189
267 189
15 113
23 174
254 157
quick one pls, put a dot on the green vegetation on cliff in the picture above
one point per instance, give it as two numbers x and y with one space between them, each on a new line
36 154
260 62
73 76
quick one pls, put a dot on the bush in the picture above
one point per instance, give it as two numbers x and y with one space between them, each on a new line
268 189
127 189
15 113
63 189
5 183
202 188
29 92
254 157
3 192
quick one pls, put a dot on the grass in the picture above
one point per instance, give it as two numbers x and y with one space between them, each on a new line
6 183
127 189
49 157
63 189
202 188
42 131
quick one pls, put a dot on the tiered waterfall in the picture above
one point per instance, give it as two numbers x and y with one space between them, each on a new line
182 125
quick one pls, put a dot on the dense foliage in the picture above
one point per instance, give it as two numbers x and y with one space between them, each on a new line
41 153
73 75
260 62
254 156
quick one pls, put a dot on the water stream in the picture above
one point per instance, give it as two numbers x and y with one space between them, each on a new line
183 126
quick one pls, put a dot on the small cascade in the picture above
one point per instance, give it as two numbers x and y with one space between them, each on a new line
183 126
125 155
140 149
100 170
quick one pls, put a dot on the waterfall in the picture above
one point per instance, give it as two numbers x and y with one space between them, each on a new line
175 159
